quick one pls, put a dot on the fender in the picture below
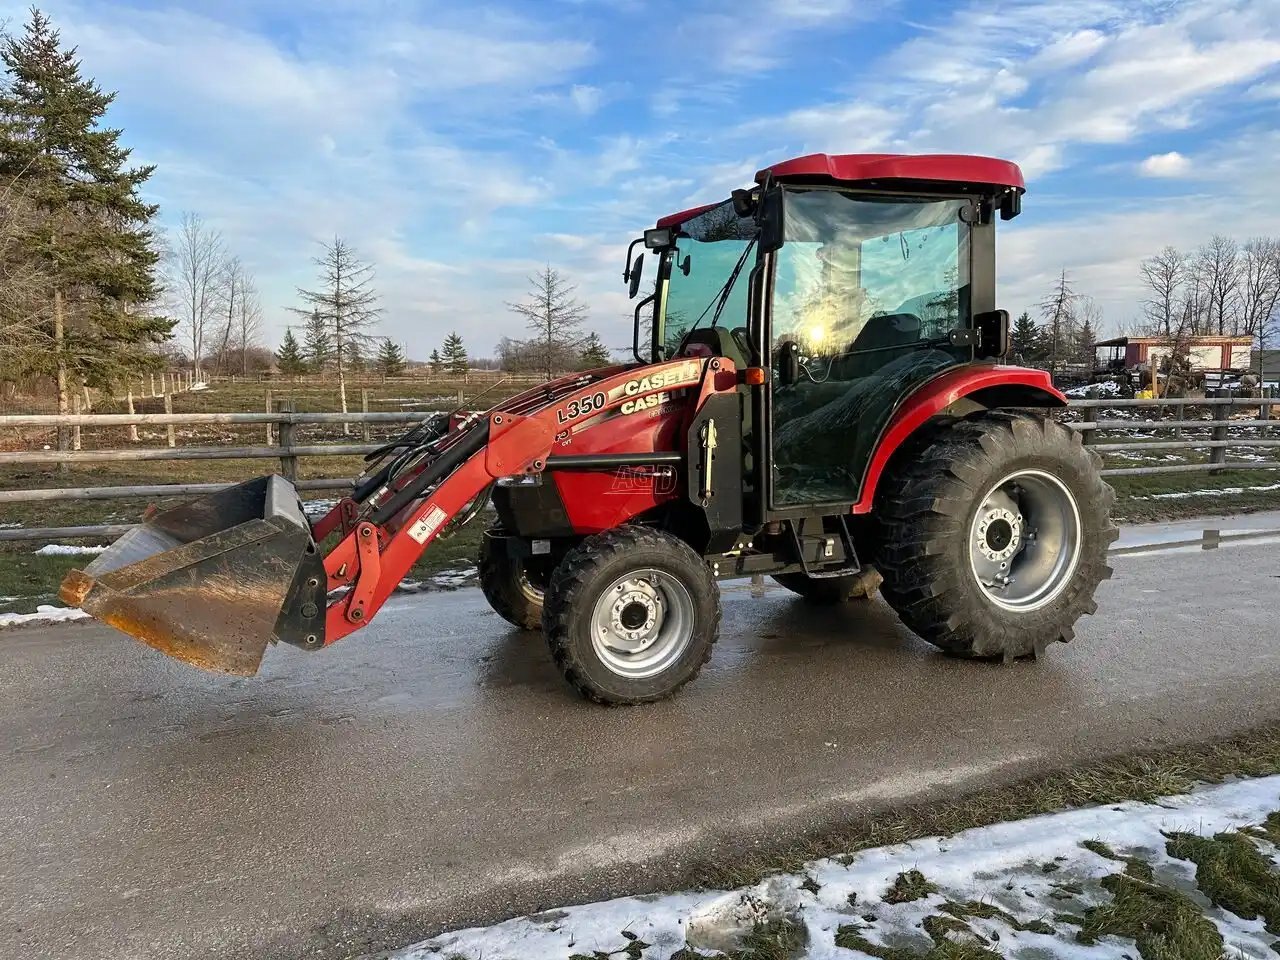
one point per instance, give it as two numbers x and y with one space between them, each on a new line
987 384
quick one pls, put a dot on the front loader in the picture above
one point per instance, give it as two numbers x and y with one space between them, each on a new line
816 394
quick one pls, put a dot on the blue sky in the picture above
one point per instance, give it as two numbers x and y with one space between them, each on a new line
460 146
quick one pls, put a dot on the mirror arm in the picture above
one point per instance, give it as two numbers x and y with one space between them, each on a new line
626 267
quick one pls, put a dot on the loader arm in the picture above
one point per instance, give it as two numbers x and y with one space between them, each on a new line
374 557
214 581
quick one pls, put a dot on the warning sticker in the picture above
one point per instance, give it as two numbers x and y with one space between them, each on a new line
428 525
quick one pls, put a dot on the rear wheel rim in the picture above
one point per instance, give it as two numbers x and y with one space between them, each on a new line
1025 541
642 623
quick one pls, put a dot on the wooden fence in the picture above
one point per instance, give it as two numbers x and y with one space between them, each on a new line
1216 435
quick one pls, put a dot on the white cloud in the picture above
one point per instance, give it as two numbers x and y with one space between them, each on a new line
1171 164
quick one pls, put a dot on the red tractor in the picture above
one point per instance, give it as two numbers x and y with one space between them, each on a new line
816 395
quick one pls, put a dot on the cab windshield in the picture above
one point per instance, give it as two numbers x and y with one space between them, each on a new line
700 286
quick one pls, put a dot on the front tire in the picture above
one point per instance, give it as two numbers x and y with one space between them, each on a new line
631 615
514 587
994 535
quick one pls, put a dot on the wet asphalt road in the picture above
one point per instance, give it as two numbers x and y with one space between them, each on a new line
433 771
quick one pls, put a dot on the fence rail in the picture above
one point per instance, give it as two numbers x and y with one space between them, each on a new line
1221 435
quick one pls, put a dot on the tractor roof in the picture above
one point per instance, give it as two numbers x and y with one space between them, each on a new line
881 167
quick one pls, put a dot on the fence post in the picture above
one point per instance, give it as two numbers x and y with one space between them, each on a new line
1221 415
1090 416
364 408
461 398
1264 410
288 464
151 380
133 427
168 408
75 431
271 429
1181 412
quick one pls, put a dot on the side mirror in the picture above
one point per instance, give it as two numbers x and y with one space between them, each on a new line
769 217
683 264
788 361
634 275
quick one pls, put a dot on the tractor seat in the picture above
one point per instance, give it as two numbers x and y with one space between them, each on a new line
720 342
871 349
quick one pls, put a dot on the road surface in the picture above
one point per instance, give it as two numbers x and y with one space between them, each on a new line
432 770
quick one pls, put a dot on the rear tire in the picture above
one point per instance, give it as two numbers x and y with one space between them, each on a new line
994 535
631 615
513 587
827 591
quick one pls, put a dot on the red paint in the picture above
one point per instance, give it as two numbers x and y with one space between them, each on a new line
675 219
938 394
862 167
516 444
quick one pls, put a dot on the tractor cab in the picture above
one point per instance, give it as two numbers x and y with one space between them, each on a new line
852 280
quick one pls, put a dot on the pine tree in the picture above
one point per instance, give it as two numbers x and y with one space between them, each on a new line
91 236
594 353
436 361
390 358
317 345
354 361
347 303
554 314
289 357
1025 339
454 354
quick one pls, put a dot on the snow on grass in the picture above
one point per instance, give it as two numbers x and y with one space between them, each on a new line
67 550
1217 492
1106 882
44 614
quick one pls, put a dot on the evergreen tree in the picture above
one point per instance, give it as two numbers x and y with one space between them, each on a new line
390 361
347 303
1025 339
317 345
594 353
554 315
289 357
353 359
437 362
454 354
90 237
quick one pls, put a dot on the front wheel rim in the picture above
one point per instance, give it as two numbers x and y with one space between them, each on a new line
642 623
1025 541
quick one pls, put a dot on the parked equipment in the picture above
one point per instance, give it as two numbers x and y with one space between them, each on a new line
815 395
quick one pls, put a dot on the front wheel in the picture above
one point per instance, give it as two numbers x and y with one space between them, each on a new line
513 586
631 615
994 535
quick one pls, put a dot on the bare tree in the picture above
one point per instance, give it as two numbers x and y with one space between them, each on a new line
1259 283
1164 274
248 322
555 316
1218 267
1060 320
23 284
346 302
196 283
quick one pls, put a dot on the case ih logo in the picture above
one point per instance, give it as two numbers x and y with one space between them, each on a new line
655 480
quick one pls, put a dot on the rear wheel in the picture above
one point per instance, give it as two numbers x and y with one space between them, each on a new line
631 615
513 586
994 535
825 591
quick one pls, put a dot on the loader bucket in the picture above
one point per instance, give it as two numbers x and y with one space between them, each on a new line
205 582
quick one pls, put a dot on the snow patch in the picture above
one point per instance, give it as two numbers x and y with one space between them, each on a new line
198 386
67 550
1219 492
43 614
1030 869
